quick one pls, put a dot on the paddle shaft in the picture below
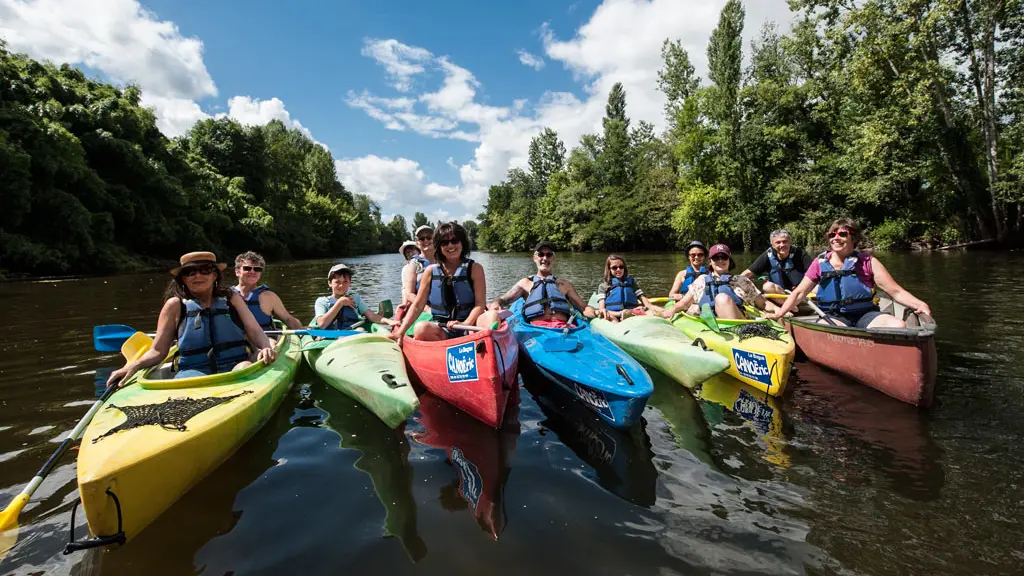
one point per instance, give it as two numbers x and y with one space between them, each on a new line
816 310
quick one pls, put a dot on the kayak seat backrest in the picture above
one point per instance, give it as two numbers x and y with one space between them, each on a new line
163 372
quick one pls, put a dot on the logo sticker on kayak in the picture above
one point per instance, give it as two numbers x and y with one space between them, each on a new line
461 361
593 398
754 411
752 365
470 483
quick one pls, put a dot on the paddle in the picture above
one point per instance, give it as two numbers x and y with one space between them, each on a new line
817 311
563 344
134 347
708 316
109 337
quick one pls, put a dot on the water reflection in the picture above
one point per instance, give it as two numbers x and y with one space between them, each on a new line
725 400
478 453
621 459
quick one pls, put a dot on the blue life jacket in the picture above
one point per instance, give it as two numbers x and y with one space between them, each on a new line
785 273
690 276
544 292
421 265
452 297
842 290
346 317
253 302
210 339
621 294
713 287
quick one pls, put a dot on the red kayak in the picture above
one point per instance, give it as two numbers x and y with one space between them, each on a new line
479 455
476 373
900 362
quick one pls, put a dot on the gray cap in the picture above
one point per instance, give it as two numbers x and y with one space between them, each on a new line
342 267
422 228
408 244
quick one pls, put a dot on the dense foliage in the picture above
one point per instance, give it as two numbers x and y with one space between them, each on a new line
88 184
903 114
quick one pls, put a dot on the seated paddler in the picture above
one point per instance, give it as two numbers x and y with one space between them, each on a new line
783 264
619 296
549 300
214 329
343 310
846 279
455 288
697 254
725 293
263 302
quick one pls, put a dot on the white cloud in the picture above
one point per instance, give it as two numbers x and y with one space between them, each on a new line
402 62
174 116
527 59
256 112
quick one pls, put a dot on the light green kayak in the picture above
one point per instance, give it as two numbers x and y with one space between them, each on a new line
368 367
655 342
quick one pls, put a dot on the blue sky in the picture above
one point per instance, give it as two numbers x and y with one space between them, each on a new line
423 104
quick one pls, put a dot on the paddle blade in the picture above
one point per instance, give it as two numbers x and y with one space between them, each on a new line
135 346
110 337
709 318
329 334
560 344
9 524
385 308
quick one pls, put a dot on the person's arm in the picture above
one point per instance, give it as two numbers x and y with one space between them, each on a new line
324 319
415 308
278 311
408 282
479 295
602 291
798 293
166 334
253 332
515 293
570 292
679 306
758 268
677 285
885 281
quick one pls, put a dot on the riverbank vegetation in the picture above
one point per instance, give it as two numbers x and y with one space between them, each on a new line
904 115
88 184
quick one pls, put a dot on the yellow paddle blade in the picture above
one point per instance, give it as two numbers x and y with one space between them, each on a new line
135 346
9 524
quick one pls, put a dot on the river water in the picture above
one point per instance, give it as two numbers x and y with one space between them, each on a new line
835 478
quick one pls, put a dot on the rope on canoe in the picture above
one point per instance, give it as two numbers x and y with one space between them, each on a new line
169 415
752 330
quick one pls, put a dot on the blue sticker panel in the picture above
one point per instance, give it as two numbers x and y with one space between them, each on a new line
752 365
470 482
461 361
754 411
595 399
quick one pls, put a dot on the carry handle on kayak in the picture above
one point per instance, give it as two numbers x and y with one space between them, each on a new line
95 542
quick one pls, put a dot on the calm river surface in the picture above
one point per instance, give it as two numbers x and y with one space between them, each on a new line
835 478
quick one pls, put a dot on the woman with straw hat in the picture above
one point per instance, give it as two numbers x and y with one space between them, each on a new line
213 327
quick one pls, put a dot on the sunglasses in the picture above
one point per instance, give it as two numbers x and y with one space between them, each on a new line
839 233
425 238
252 268
695 254
545 254
448 241
204 270
616 267
719 257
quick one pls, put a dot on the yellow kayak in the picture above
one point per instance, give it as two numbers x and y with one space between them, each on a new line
157 437
759 354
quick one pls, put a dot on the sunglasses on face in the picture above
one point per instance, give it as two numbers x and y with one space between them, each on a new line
252 268
448 241
719 257
545 254
204 270
839 233
695 254
425 238
616 267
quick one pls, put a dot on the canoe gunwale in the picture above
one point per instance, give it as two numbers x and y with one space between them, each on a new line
880 335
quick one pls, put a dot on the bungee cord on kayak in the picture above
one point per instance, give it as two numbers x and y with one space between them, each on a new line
172 414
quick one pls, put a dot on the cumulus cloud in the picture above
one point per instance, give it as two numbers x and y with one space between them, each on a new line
256 112
400 186
527 59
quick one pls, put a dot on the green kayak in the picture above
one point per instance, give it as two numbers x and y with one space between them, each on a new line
655 342
368 367
384 329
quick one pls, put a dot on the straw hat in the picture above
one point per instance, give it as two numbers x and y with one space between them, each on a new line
408 244
197 258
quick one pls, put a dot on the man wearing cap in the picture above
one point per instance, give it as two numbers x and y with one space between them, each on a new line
341 310
548 299
413 270
697 253
263 302
783 264
723 292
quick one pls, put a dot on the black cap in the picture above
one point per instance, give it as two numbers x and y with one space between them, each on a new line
697 244
545 244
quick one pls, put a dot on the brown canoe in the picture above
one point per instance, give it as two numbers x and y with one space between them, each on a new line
899 362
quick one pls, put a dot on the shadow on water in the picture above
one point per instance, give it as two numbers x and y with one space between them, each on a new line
479 455
620 459
860 431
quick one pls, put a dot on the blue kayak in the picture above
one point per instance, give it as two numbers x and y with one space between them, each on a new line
587 366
